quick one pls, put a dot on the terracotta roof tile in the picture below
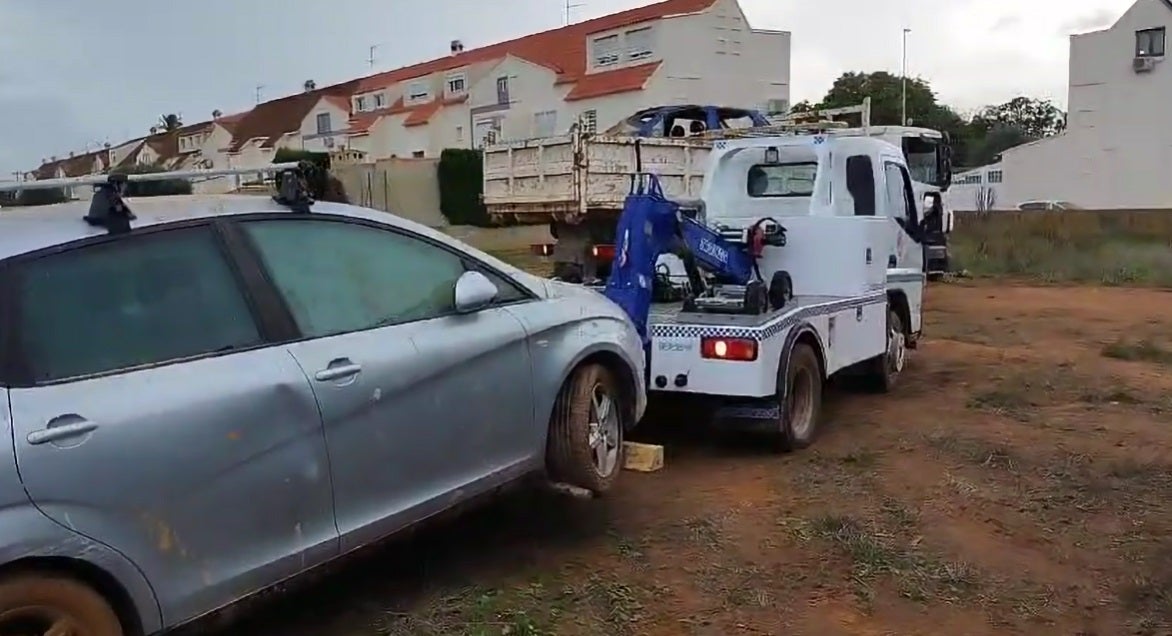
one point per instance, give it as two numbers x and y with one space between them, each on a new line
562 50
621 80
273 120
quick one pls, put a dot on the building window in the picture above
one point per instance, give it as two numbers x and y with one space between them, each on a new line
380 100
360 103
638 43
417 92
606 50
502 90
1149 43
589 121
459 133
457 84
545 123
323 124
418 154
994 176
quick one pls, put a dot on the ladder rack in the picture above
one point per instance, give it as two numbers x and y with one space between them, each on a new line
114 176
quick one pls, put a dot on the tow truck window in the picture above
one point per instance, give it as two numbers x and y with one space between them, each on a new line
341 277
782 179
896 199
136 301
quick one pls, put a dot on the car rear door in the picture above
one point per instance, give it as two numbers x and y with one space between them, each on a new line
422 407
153 412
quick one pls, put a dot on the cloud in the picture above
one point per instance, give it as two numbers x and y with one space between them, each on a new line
1093 21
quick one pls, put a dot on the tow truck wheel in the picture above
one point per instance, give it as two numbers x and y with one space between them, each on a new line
44 604
585 447
801 403
886 368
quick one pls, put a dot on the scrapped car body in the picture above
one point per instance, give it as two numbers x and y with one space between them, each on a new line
233 392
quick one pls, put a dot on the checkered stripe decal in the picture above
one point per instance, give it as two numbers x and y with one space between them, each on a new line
767 330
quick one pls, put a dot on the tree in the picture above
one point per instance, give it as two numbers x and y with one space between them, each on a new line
1035 118
169 122
886 93
154 188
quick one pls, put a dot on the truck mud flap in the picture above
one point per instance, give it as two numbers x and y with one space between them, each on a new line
756 415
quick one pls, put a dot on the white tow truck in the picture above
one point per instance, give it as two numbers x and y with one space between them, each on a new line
831 228
577 182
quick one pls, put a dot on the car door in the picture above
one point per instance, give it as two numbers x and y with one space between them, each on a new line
909 253
152 413
421 405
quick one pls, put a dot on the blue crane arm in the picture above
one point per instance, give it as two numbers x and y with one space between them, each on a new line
651 225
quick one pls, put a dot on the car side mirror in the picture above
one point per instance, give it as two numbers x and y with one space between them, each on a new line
474 291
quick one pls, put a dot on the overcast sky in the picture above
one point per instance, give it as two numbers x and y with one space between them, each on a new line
74 72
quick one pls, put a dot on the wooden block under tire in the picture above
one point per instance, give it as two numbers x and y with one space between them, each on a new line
645 458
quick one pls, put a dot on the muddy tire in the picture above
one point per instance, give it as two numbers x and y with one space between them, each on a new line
884 370
585 447
49 604
801 401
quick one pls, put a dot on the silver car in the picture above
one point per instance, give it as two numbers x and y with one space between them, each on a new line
233 393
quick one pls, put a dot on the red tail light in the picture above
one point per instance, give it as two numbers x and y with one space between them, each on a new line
542 249
603 252
734 349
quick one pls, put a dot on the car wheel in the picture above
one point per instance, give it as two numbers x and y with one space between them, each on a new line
45 605
801 403
585 447
886 368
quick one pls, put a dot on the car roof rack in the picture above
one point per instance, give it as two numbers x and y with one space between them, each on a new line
108 210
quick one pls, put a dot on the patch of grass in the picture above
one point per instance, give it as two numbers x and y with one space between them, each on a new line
976 451
471 612
1115 247
1020 395
1148 595
1139 351
876 553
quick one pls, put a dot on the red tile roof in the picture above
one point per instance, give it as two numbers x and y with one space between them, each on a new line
622 80
563 51
272 120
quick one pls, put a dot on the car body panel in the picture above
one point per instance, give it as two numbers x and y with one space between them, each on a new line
573 323
29 535
186 459
438 407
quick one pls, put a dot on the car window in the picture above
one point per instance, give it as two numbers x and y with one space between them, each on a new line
338 277
507 290
134 301
896 198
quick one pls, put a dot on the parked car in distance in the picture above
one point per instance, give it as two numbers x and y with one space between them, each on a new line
1047 205
233 393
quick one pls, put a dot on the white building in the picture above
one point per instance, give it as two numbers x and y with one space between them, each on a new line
1117 149
978 189
602 70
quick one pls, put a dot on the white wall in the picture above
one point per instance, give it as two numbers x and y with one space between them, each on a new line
1117 151
978 189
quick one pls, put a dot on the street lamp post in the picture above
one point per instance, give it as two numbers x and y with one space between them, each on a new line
903 78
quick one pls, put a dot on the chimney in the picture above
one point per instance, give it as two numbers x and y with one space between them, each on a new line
71 154
457 47
217 114
310 85
106 145
53 158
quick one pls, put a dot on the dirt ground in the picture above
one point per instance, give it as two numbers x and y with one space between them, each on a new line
1017 482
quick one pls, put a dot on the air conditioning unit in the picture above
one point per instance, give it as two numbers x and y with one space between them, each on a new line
1143 64
329 142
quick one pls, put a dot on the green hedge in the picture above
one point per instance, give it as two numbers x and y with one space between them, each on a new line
323 185
461 182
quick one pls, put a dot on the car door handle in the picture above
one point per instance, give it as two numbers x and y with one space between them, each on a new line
338 369
51 433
